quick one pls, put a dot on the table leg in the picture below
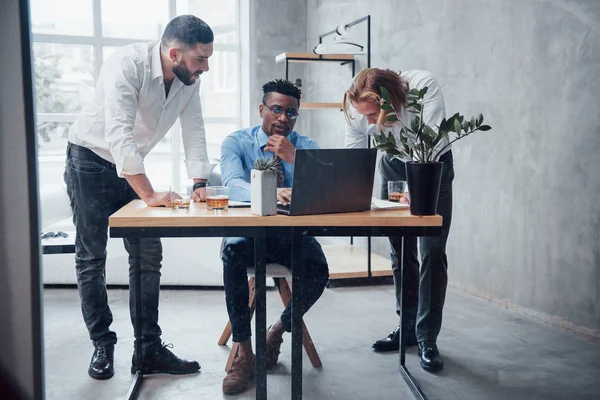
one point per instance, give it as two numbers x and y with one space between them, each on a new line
296 316
134 388
410 380
136 383
260 291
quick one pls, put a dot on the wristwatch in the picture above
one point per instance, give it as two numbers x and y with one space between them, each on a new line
199 185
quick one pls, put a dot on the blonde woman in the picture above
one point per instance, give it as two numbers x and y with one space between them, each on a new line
427 283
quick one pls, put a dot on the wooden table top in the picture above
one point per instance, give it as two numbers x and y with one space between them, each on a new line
137 214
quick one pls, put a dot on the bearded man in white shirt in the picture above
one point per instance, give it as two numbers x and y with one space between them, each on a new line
424 300
141 91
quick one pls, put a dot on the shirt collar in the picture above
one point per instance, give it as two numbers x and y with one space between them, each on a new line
156 65
261 138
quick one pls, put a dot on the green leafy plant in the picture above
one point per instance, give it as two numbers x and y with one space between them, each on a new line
418 142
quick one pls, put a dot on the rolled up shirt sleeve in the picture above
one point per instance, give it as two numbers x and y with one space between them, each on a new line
194 138
121 89
232 170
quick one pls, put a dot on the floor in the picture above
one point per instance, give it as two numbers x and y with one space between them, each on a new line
489 352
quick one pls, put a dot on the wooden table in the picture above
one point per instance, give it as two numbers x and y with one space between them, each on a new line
136 220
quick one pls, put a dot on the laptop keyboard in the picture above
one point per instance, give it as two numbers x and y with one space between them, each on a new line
283 209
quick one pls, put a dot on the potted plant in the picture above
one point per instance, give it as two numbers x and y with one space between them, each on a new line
263 186
418 143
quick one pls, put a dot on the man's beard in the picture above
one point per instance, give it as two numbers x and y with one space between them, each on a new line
182 72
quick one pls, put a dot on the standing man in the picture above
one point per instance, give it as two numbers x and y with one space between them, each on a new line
427 284
274 138
142 89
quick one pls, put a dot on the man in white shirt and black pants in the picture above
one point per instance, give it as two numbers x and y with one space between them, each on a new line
426 284
141 91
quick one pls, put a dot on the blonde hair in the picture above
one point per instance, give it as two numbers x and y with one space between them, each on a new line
367 84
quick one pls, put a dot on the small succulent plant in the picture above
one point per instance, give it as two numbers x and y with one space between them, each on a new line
266 164
272 165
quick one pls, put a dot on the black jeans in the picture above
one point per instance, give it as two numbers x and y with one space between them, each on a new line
96 192
238 254
426 285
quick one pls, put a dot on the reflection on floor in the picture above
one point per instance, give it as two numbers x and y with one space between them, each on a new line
489 353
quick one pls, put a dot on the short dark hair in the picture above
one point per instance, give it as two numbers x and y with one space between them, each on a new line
281 86
188 30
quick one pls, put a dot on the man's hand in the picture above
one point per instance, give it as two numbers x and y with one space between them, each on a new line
199 195
284 195
405 199
141 185
282 147
157 199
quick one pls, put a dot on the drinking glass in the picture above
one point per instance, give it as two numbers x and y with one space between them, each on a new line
180 197
396 190
217 198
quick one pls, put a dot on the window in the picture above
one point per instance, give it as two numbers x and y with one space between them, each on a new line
61 17
72 38
220 89
117 21
64 76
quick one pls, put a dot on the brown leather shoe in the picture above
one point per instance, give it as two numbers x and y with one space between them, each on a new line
239 375
273 346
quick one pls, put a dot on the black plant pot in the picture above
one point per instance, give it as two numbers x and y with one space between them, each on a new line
424 186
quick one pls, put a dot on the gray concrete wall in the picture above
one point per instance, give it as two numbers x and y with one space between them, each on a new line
20 316
276 27
526 225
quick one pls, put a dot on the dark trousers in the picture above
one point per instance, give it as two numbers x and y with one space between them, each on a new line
238 254
426 285
96 192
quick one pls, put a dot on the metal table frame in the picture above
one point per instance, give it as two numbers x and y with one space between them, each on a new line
259 233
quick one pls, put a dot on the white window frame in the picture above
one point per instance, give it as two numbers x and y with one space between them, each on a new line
98 41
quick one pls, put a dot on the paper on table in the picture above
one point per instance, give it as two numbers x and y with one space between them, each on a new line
378 204
238 204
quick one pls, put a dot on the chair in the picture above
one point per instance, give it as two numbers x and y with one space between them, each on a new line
280 275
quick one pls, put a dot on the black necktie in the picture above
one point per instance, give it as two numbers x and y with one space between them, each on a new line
280 176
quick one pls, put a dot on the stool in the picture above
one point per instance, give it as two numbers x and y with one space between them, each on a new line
280 275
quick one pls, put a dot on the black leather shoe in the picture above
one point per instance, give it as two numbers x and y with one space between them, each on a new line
102 365
392 341
160 360
430 357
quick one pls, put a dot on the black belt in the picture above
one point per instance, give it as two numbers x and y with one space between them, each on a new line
87 154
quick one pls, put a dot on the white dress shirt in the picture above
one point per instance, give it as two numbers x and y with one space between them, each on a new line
130 114
434 112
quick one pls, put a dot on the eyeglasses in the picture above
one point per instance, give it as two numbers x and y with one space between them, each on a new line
291 113
49 235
